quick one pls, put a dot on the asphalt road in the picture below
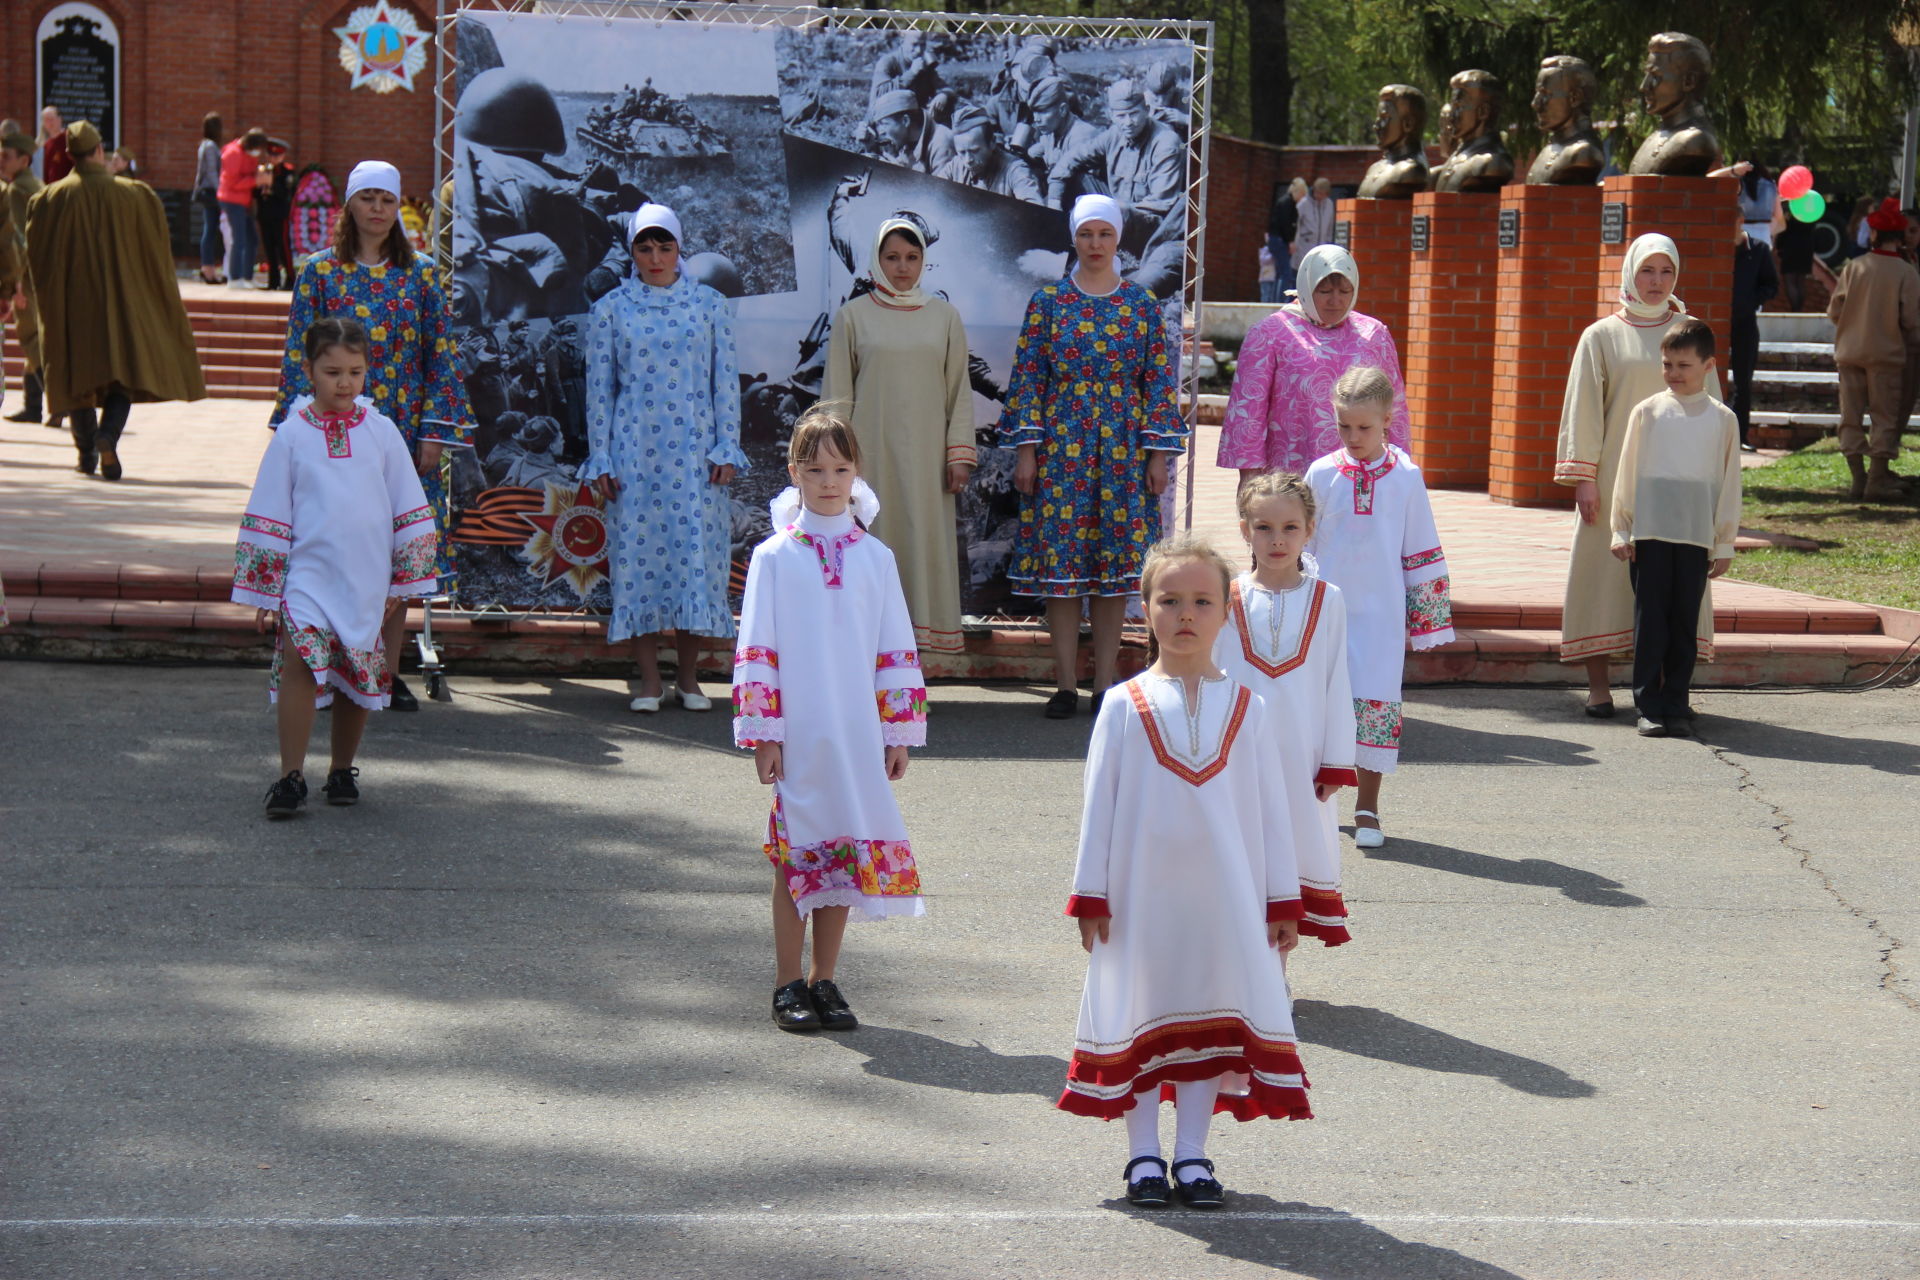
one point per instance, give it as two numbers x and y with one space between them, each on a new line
1615 1008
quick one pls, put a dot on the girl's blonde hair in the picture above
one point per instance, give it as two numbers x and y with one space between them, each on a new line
826 423
1176 549
1278 484
1363 384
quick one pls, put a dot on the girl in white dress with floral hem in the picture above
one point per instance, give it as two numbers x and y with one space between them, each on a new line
1187 895
1286 639
1377 542
827 692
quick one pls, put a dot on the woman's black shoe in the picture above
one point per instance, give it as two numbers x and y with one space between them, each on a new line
1600 710
340 788
402 697
1151 1191
1201 1193
1063 704
831 1006
792 1009
286 797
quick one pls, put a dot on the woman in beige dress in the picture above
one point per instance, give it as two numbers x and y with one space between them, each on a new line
1615 366
898 357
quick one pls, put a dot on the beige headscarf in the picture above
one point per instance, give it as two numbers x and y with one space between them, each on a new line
1642 248
1321 261
883 290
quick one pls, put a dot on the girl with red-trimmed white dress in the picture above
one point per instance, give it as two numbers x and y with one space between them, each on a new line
1286 639
1376 541
1187 895
827 692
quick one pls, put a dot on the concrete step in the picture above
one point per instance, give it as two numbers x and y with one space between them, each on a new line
1796 355
1795 326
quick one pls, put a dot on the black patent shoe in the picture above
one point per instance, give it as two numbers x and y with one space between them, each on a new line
1151 1191
401 697
1600 710
287 796
792 1009
1201 1193
340 788
1679 727
1063 704
831 1006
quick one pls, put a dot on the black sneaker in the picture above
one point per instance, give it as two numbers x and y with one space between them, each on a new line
831 1007
402 697
792 1009
340 788
287 796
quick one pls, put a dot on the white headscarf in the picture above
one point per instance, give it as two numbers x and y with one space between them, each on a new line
653 215
1096 208
786 505
1321 261
373 175
883 290
1642 248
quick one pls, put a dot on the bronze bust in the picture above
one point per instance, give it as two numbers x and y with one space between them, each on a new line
1674 89
1400 127
1563 105
1477 160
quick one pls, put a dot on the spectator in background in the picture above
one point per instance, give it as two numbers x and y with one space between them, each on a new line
1910 381
52 163
1876 320
1316 221
1283 223
1269 278
239 177
1759 197
1794 243
1754 284
1854 243
16 155
122 163
274 205
206 194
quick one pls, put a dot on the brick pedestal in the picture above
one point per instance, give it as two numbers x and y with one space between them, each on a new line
1698 215
1448 355
1375 233
1543 302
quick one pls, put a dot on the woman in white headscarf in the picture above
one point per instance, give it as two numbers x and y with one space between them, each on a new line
1090 409
1615 366
1280 412
898 358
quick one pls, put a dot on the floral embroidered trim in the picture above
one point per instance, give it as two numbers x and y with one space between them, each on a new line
871 868
260 573
897 658
1376 723
361 674
832 552
1429 607
408 519
1173 765
336 427
1421 559
754 699
748 654
1365 477
1279 666
1571 472
261 524
414 560
901 706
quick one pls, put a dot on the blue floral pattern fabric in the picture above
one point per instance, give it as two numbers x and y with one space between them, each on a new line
663 402
1093 390
411 358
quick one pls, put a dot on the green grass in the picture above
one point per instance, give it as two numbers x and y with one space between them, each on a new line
1869 551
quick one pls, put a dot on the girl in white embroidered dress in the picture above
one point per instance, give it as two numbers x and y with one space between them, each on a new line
1377 542
828 694
1187 893
337 535
1286 639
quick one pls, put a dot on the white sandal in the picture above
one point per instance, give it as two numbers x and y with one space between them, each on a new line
1367 837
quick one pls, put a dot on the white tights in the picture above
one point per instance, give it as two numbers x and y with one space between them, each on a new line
1192 1115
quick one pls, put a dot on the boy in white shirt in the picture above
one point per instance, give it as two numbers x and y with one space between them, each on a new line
1676 509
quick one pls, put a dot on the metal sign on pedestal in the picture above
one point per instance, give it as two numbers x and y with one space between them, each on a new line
1509 228
1613 222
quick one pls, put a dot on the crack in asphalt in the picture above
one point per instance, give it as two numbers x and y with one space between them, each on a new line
1782 823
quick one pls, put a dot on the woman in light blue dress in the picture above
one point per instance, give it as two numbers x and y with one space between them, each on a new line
663 422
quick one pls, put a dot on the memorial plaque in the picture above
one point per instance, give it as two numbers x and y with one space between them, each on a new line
1613 222
79 68
1343 235
1509 228
1421 227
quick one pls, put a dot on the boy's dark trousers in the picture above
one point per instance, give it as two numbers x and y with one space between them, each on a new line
1669 579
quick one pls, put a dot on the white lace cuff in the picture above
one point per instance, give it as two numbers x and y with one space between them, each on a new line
752 730
906 733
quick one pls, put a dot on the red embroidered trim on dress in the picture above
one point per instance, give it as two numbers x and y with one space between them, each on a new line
1242 1051
1088 906
1365 479
1332 777
1285 909
897 658
1186 773
1274 671
751 653
1421 559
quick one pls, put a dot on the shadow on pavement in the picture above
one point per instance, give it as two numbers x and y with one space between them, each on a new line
1425 742
1580 885
1756 738
912 1058
1329 1244
1375 1033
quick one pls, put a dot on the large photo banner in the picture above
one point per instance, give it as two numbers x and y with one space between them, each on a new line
782 149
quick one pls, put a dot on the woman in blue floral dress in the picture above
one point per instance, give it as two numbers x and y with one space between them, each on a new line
372 275
663 423
1090 407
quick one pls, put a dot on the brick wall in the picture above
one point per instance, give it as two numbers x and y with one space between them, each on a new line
283 75
1378 238
1448 357
1243 179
